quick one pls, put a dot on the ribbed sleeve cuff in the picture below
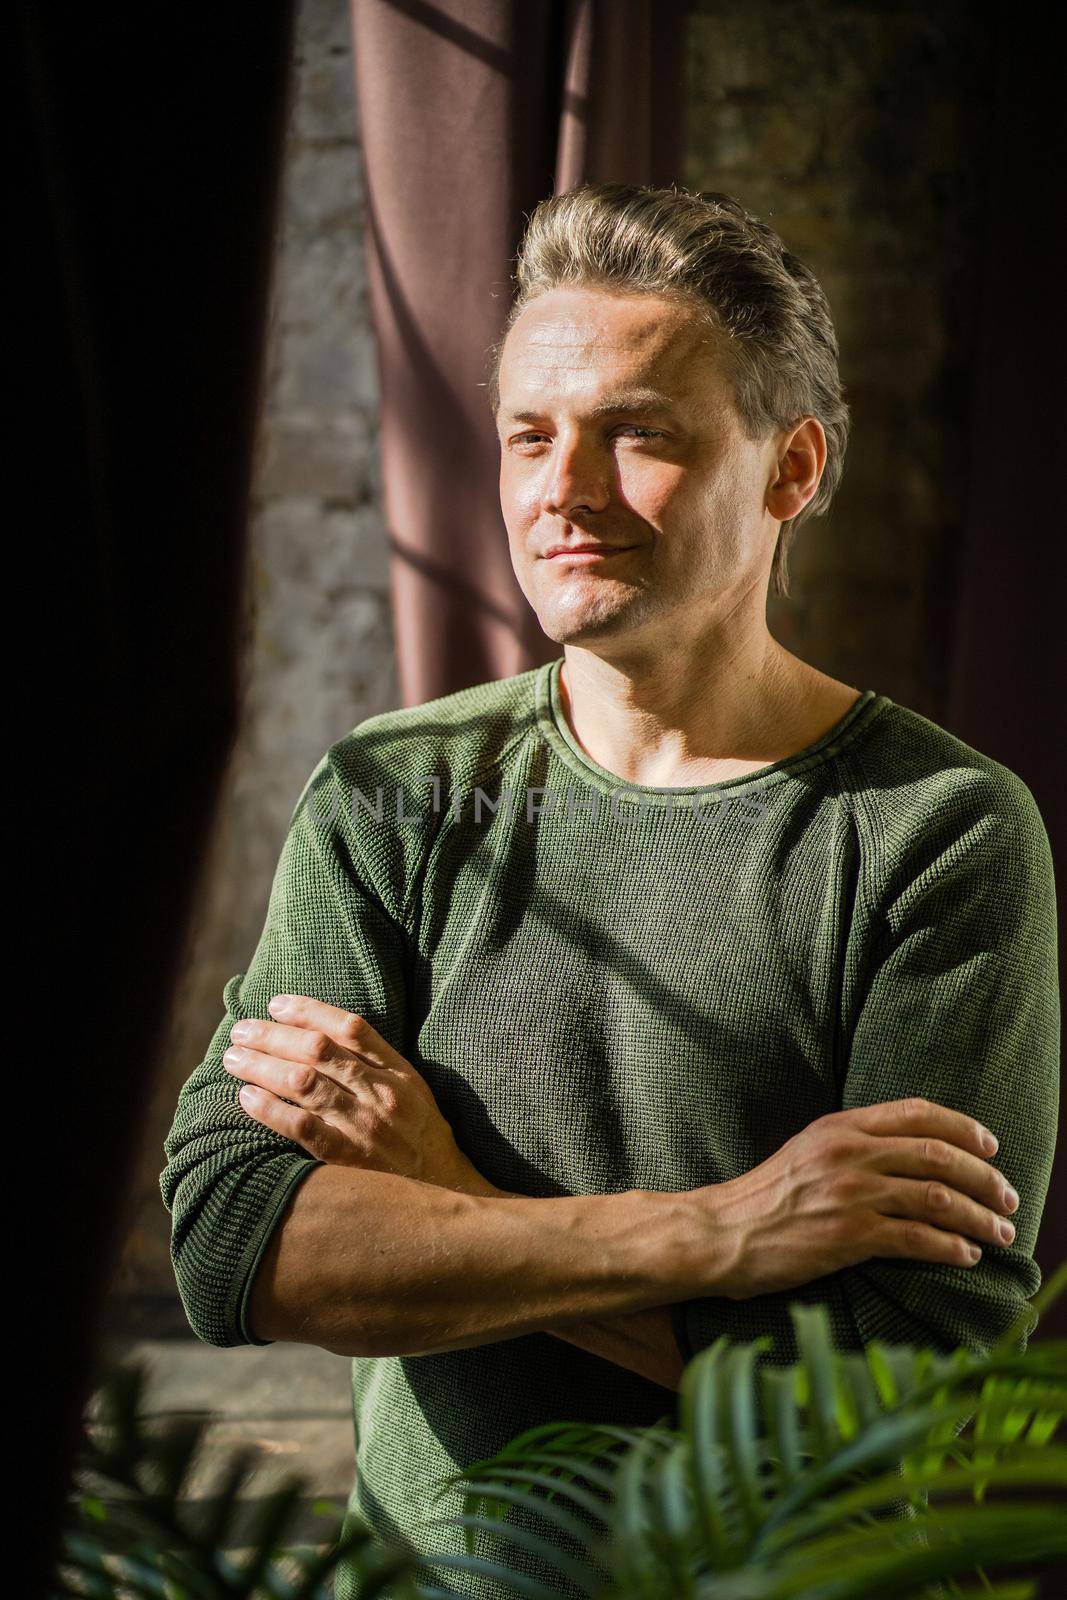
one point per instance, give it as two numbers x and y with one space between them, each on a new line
258 1242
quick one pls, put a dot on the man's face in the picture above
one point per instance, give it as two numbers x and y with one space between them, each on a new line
618 426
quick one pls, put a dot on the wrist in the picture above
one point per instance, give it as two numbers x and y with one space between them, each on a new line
696 1245
464 1177
656 1240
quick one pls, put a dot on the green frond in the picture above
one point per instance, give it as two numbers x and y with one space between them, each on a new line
888 1561
817 1362
493 1480
673 1517
635 1558
826 1480
567 1468
592 1444
586 1572
784 1423
1041 1467
521 1584
745 1451
701 1422
851 1475
510 1494
130 1534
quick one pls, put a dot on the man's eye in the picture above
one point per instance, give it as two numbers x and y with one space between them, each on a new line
632 429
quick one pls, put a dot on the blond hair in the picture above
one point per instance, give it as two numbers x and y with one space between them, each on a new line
707 249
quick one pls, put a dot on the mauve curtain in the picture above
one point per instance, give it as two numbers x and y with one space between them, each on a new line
148 161
472 111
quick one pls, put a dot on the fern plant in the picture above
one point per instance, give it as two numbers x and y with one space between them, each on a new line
133 1532
845 1476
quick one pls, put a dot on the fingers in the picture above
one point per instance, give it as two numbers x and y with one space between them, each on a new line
919 1241
946 1166
337 1043
344 1028
307 1086
292 1122
919 1118
922 1139
309 1047
945 1209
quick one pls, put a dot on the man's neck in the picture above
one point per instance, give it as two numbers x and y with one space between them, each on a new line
675 718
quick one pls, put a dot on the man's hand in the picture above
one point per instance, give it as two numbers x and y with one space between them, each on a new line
326 1079
904 1179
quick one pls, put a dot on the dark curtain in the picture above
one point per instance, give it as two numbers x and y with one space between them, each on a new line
472 111
1008 680
148 161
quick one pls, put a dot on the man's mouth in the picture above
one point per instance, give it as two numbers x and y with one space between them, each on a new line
585 553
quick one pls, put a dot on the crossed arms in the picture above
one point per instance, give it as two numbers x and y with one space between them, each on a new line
350 1100
337 1209
397 1245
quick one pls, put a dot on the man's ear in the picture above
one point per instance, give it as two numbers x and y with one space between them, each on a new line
799 465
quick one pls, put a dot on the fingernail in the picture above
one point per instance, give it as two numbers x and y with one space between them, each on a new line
280 1005
1011 1199
233 1058
990 1143
246 1092
240 1030
1007 1232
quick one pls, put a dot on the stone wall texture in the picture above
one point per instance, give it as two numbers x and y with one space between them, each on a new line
855 129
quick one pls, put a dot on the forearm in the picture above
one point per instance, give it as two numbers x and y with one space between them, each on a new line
369 1263
641 1341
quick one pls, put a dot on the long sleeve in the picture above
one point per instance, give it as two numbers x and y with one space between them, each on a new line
228 1179
948 990
959 1003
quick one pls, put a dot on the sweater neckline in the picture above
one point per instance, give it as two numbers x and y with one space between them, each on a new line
553 723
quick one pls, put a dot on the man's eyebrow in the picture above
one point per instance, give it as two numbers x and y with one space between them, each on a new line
636 402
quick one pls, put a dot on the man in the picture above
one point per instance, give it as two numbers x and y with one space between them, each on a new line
635 996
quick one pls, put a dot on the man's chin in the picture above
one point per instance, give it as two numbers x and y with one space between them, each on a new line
577 612
586 629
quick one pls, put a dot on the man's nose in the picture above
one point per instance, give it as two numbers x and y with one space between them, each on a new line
578 478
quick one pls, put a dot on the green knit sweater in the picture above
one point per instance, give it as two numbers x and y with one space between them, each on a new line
611 987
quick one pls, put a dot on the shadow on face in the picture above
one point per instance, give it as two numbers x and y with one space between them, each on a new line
631 493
